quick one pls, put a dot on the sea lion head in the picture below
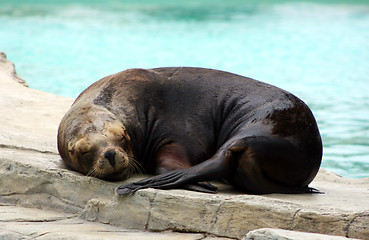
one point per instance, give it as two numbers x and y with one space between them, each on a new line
92 141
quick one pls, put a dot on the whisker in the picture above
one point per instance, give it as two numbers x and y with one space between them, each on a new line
132 168
91 172
135 166
95 173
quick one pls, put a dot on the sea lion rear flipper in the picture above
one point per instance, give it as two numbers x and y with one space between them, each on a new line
308 189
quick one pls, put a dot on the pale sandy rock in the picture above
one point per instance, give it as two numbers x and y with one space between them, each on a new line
169 211
233 215
9 213
31 174
46 185
29 118
279 234
25 223
130 212
8 69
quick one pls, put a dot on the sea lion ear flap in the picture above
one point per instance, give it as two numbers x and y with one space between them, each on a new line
239 145
71 148
125 134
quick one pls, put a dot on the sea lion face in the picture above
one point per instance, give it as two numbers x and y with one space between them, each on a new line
97 146
104 155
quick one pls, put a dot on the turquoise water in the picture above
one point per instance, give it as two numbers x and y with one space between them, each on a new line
318 51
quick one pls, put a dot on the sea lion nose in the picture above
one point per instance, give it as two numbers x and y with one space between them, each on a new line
110 155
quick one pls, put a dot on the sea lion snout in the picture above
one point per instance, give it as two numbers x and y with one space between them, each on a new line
110 155
111 163
112 159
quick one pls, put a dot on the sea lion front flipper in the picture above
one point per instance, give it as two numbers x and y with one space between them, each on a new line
214 168
201 187
167 180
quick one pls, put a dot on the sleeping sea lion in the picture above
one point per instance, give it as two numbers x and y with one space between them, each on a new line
189 126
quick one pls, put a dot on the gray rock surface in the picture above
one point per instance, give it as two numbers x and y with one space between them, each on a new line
31 175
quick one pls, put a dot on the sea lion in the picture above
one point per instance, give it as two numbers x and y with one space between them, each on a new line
192 125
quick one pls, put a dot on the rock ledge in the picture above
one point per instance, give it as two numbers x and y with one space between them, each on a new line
31 175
